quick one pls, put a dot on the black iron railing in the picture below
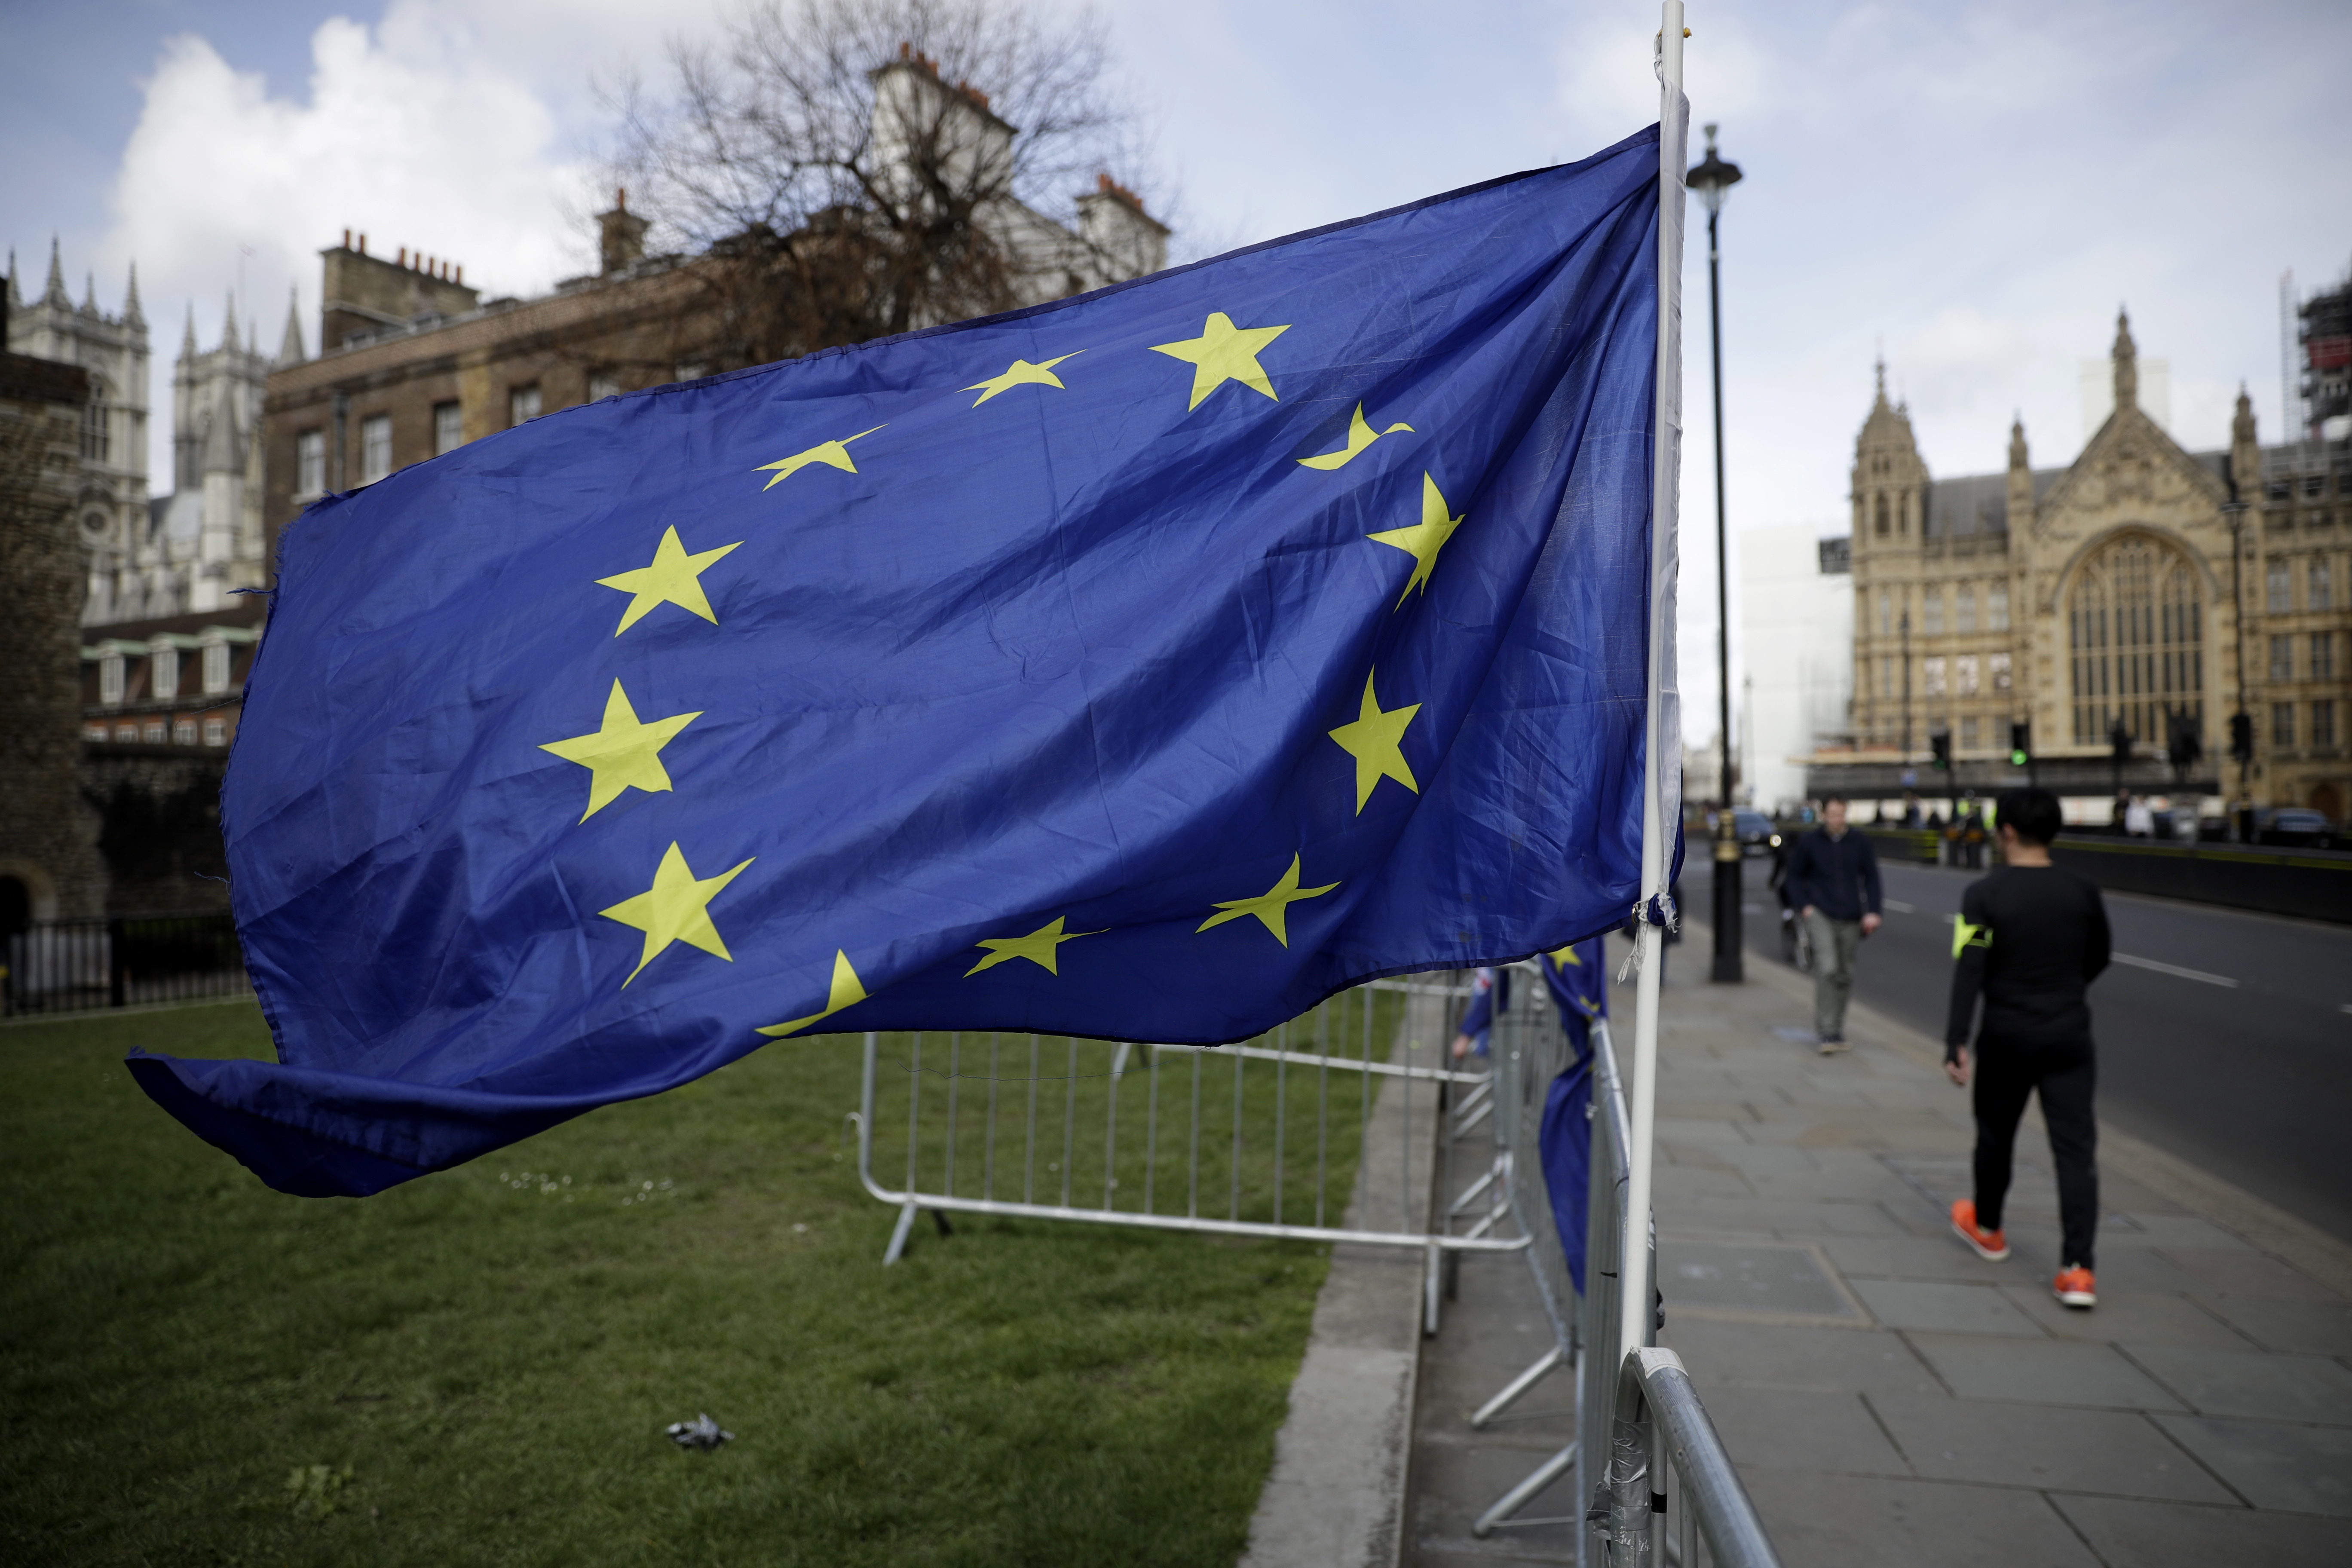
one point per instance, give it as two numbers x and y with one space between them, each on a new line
125 961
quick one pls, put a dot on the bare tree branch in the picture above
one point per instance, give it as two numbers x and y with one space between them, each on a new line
849 169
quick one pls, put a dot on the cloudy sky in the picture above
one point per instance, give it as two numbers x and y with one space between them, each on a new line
1970 190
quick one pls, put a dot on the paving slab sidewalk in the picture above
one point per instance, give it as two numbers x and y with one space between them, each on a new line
1889 1396
1336 1495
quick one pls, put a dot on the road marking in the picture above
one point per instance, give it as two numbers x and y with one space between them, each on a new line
2176 970
1899 907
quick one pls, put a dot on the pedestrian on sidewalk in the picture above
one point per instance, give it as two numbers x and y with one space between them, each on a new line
2030 938
1833 882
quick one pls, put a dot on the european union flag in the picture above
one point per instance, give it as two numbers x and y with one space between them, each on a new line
1579 982
1147 665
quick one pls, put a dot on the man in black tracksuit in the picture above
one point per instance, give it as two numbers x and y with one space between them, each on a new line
2030 938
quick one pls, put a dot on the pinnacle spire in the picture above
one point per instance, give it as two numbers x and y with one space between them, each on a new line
188 342
15 298
1882 378
228 323
2126 357
289 350
2017 442
90 294
131 310
55 293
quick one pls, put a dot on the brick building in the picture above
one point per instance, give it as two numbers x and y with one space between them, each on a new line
413 362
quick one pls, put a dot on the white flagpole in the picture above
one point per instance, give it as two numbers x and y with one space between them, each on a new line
1661 793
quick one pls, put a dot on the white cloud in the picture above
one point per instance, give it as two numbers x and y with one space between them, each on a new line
415 135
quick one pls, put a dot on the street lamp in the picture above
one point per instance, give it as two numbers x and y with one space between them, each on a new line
1713 180
2242 726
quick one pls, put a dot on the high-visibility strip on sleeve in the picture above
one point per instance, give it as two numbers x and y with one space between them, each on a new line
1966 936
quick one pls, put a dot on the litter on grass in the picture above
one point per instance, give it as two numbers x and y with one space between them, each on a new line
701 1432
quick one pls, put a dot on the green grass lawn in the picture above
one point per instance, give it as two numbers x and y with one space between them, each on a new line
476 1367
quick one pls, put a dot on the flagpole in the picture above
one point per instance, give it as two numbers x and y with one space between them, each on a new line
1634 1306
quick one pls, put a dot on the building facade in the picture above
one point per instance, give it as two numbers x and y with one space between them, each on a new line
146 557
2141 587
413 362
1796 636
110 506
50 864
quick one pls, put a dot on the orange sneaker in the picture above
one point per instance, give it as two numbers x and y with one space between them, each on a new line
1990 1245
2076 1287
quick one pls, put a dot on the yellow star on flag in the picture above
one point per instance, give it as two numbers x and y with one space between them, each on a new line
1373 741
1038 947
1023 374
622 753
1270 906
832 454
675 908
1566 956
846 992
1424 539
1223 352
1361 435
674 578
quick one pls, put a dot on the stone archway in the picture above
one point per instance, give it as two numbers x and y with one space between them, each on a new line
2328 801
2136 639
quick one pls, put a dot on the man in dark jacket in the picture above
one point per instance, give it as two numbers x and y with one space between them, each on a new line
1833 882
2030 939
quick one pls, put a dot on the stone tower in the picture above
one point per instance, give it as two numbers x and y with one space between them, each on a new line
110 504
1889 489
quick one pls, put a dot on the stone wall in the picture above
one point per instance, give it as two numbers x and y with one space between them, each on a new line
47 835
159 809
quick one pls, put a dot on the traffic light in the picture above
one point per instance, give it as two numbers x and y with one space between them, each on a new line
2242 737
2184 746
2020 744
1941 740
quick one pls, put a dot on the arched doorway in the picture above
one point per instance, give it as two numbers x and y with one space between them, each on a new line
2135 630
15 907
2329 802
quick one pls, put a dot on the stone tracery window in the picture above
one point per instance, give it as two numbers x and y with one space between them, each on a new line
2136 637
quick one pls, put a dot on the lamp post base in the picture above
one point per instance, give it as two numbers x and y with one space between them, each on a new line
1728 969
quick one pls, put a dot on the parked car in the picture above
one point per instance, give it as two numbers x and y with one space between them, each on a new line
2292 825
1756 833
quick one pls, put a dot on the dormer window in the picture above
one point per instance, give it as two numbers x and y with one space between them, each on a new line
164 673
216 668
110 679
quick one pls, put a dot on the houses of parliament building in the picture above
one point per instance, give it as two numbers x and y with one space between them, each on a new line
2137 586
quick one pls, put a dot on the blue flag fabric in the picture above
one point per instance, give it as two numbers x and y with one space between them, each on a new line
1147 665
1579 983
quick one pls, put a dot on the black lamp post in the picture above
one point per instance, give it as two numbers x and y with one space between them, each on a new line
1713 180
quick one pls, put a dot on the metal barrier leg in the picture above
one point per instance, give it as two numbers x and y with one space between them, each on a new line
1516 1387
898 1234
1433 1282
1499 1516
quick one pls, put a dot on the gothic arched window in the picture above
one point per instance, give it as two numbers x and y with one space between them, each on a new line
2136 634
95 443
1880 527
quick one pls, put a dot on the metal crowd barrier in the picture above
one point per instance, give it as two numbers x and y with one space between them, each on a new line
1637 1416
72 966
1260 1139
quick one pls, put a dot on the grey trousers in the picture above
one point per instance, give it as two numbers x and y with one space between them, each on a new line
1833 945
